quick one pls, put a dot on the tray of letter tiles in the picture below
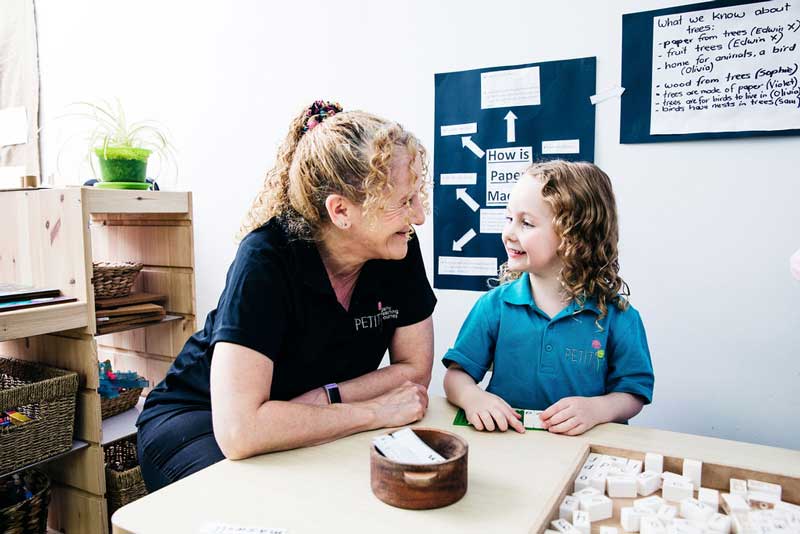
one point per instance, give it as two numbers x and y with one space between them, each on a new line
619 491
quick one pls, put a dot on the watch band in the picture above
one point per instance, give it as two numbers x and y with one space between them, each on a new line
332 391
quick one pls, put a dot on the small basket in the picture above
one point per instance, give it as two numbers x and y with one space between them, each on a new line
124 482
114 280
127 399
46 395
30 515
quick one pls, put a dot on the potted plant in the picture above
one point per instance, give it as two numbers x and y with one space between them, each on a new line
122 148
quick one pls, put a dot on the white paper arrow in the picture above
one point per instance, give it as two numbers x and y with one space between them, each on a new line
466 238
466 141
511 129
461 194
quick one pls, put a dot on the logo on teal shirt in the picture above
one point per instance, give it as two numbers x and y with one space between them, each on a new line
600 352
585 357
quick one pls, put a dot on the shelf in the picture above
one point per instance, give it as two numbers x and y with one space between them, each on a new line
126 327
54 236
123 201
76 445
121 425
43 320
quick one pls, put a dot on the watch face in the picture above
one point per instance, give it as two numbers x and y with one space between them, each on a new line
333 393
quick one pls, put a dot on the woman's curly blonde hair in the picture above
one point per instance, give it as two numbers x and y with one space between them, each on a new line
348 154
585 219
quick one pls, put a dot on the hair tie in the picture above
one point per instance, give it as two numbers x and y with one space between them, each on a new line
318 112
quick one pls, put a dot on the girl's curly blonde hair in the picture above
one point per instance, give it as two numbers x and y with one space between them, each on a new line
348 154
585 219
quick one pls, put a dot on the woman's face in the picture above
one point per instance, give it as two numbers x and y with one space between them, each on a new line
386 235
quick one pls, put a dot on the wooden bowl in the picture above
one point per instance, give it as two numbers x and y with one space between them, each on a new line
422 487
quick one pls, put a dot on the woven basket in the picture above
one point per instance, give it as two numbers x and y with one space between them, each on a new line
46 395
127 399
114 280
30 515
124 482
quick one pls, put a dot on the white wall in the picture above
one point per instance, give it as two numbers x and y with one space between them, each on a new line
707 226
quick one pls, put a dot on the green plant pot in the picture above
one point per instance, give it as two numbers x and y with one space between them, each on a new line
122 164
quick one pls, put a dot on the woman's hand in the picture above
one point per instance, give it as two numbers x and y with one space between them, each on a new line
487 411
400 406
574 415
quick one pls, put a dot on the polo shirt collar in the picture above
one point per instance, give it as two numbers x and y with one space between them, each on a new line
519 292
589 305
310 266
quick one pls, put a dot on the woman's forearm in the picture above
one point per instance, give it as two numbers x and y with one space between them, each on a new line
411 352
370 385
281 425
384 379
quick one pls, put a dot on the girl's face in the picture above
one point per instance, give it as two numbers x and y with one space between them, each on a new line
386 236
528 235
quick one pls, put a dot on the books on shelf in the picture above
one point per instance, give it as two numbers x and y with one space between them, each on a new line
20 297
114 315
10 292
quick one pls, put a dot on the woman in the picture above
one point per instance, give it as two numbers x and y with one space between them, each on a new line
328 276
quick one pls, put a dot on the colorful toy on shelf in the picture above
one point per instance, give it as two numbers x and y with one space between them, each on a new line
13 417
111 383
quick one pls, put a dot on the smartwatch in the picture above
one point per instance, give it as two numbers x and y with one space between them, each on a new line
332 391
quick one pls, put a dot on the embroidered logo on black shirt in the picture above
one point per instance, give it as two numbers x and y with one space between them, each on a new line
385 313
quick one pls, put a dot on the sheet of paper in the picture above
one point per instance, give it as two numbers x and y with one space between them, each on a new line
726 69
531 420
460 129
602 96
467 266
563 146
406 447
493 220
504 166
509 88
13 126
11 176
224 528
459 178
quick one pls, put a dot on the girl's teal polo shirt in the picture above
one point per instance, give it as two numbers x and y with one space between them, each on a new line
538 360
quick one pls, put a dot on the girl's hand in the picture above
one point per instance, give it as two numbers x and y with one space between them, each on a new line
487 411
573 415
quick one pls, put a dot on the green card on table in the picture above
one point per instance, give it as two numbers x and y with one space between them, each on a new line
530 419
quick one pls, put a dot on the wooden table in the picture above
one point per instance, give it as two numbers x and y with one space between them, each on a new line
514 481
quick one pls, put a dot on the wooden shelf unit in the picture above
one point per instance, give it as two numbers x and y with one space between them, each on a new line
42 320
55 236
121 425
76 445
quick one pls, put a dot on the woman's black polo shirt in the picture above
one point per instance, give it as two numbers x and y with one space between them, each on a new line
278 301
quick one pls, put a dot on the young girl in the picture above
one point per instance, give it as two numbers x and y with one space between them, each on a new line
560 334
